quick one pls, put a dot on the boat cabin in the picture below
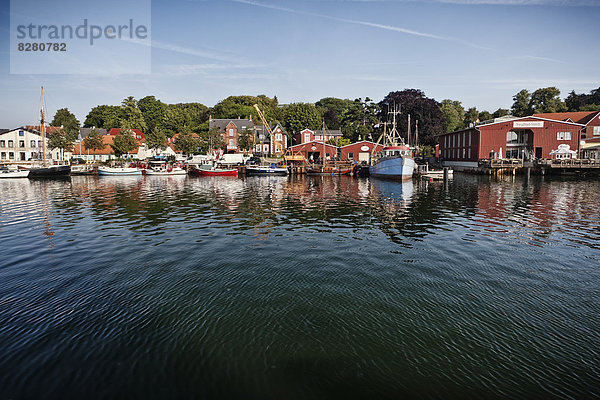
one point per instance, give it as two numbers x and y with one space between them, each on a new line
395 151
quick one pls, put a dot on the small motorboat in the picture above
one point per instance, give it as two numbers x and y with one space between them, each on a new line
272 169
118 171
166 171
13 173
207 170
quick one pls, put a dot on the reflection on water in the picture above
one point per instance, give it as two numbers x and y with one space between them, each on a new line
299 287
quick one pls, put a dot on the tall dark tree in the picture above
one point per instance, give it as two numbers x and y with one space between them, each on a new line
331 109
60 139
242 107
522 104
424 109
471 117
187 143
501 112
484 116
68 121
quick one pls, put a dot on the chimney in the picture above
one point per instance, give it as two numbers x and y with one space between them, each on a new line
209 117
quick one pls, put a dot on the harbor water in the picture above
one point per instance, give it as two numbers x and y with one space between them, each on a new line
299 288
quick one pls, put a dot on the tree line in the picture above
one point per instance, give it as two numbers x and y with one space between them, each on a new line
357 119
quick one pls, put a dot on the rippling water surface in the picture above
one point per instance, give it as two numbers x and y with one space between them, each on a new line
299 288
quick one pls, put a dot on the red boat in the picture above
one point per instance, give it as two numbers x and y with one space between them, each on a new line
210 171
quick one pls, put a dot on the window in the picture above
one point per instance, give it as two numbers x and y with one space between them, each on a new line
231 142
278 136
11 144
512 137
258 147
11 155
231 132
2 143
39 143
464 152
21 133
317 137
265 148
307 137
470 136
32 143
597 131
21 143
351 156
463 139
3 155
563 135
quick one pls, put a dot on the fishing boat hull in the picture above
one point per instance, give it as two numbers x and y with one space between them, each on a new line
13 174
210 171
330 170
263 170
108 171
55 171
396 168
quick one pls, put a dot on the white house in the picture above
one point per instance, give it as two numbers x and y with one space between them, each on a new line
24 144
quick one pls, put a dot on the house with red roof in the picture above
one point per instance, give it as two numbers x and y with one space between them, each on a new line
590 134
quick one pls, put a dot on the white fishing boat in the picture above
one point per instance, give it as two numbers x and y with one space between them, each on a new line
272 169
396 162
118 171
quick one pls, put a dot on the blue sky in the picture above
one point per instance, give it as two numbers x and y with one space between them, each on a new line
480 52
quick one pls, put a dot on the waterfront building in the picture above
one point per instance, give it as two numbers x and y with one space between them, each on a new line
24 144
314 150
308 135
262 142
590 134
525 138
360 151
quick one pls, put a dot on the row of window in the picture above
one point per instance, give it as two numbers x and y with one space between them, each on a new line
10 143
456 153
458 140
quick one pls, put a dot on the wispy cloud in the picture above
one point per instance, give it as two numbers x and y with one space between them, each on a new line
559 3
198 52
363 23
542 59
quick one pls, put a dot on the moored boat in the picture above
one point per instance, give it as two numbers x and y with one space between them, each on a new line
12 173
53 171
118 171
165 171
272 169
206 170
331 168
396 161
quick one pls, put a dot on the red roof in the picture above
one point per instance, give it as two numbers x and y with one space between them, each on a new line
579 117
79 148
139 135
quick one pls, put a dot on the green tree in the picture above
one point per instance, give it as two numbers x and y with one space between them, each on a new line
94 141
501 112
68 122
547 100
156 138
299 116
522 104
60 139
124 142
243 107
332 109
211 139
454 114
339 141
359 118
104 116
153 111
485 116
245 140
421 108
187 143
132 117
471 117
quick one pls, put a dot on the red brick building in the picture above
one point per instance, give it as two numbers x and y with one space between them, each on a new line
360 151
525 138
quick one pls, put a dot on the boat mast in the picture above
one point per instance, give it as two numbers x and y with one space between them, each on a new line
408 134
43 131
323 137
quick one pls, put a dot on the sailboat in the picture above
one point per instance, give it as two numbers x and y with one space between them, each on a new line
397 161
52 171
329 167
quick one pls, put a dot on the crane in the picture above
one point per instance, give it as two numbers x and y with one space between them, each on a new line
266 125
